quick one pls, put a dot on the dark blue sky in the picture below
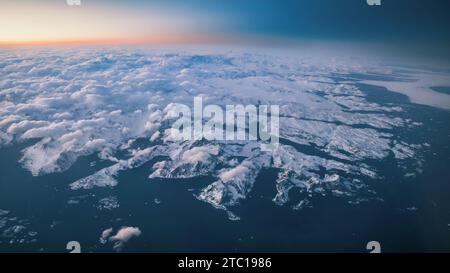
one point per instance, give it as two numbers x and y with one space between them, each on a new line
329 19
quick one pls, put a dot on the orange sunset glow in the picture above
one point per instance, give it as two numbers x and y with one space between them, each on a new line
26 23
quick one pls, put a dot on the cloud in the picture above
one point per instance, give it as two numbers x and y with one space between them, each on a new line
121 237
228 175
118 103
199 154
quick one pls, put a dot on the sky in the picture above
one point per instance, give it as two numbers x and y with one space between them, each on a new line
43 21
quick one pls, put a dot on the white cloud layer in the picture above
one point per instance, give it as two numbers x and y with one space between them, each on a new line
75 102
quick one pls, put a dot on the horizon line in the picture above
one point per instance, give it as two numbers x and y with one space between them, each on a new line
165 39
169 39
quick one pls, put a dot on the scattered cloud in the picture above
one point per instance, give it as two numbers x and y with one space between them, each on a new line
120 238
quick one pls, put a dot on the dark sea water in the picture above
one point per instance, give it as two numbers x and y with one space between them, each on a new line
414 216
442 89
